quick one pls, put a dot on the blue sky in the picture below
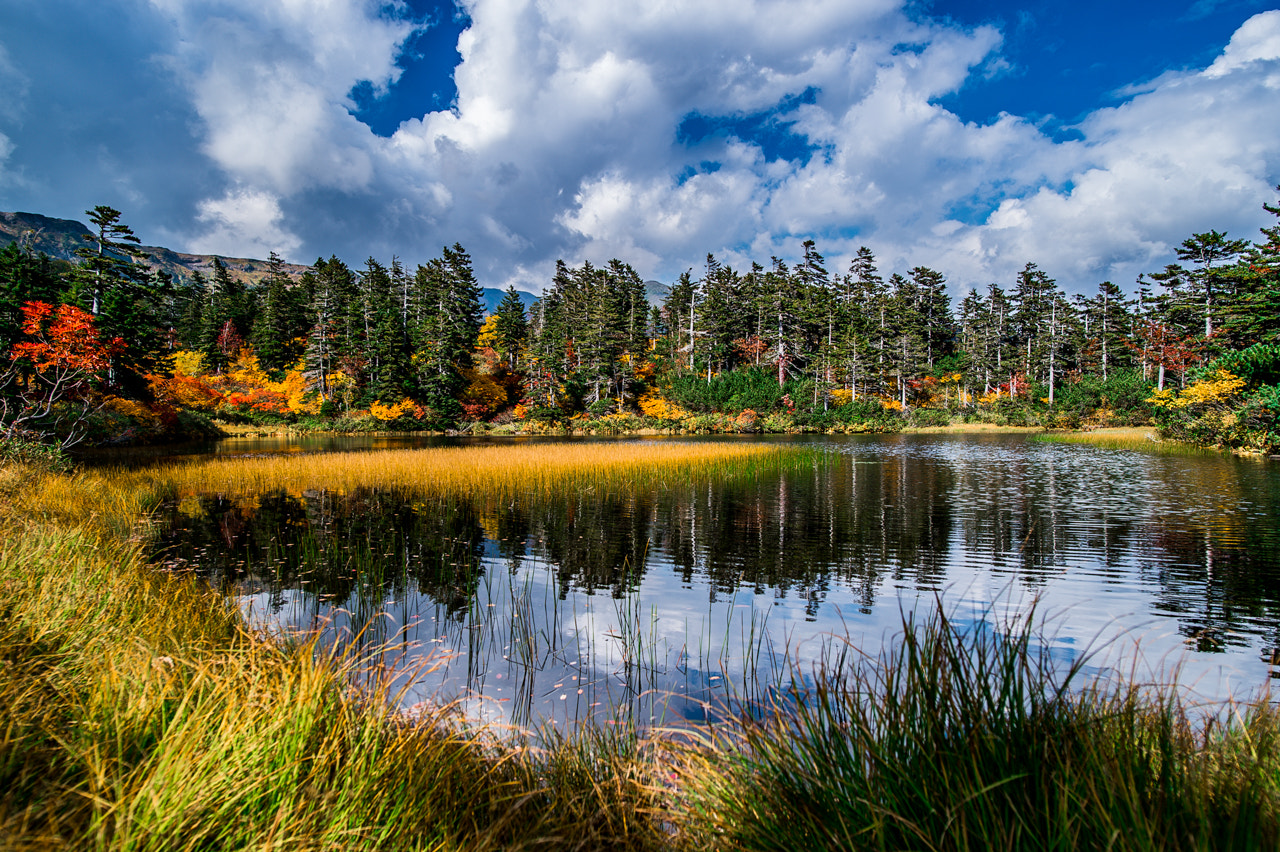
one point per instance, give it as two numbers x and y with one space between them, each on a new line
972 137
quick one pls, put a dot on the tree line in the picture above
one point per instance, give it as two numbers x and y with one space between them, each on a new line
384 334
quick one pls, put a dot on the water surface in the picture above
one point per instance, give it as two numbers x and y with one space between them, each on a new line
656 605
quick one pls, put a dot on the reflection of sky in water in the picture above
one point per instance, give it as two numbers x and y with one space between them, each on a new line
1150 563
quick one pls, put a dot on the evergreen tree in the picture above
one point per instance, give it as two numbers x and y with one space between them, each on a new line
975 333
723 319
1254 317
680 312
227 315
331 287
1106 323
1210 250
861 299
24 277
937 327
1033 303
386 344
907 352
280 327
111 264
447 327
113 282
512 327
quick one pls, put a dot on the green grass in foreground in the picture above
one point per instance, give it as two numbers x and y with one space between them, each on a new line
137 712
956 740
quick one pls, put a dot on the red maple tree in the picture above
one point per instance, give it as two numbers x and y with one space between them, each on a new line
48 388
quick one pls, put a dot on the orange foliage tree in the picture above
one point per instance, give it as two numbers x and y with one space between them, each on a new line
48 390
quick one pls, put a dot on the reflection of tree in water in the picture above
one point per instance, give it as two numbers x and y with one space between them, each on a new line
359 547
1037 514
1217 591
1216 566
793 533
597 541
849 523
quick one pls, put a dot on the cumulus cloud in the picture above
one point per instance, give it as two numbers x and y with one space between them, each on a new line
243 223
1194 153
571 137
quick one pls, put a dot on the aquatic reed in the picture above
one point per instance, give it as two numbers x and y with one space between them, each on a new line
1122 438
523 469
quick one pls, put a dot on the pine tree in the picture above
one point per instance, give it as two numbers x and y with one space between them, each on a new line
512 327
227 310
934 308
386 344
1033 303
24 277
1254 316
1210 250
280 327
723 319
124 296
1106 324
680 311
112 263
332 289
447 327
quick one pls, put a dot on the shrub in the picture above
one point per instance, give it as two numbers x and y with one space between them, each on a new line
929 417
754 387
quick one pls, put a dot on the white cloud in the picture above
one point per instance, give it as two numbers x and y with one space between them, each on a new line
1195 153
1257 39
563 140
270 82
243 223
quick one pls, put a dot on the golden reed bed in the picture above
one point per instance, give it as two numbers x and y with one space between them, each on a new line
525 469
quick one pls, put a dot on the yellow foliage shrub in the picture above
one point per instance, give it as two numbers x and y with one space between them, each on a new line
1222 387
841 396
483 391
488 333
387 413
245 369
187 362
654 405
131 409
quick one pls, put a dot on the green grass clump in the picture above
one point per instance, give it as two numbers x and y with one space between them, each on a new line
976 740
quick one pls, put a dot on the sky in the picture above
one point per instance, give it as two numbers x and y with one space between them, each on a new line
1090 138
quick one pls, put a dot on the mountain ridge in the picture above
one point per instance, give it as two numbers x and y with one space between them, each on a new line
60 238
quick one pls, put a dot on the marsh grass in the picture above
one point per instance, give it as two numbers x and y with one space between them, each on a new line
977 739
1125 438
503 471
138 712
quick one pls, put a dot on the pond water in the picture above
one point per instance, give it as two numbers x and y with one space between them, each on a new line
655 606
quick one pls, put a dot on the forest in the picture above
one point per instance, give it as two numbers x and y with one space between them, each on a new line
109 350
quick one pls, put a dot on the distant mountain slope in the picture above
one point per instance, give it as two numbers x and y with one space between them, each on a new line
492 297
656 292
59 238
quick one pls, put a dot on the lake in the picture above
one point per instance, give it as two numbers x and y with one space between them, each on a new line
662 605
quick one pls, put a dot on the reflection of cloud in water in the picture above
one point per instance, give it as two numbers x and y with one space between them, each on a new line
1147 564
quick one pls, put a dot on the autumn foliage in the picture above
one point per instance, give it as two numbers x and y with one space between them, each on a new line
49 386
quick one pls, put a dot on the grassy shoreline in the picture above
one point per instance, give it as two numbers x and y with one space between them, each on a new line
140 713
